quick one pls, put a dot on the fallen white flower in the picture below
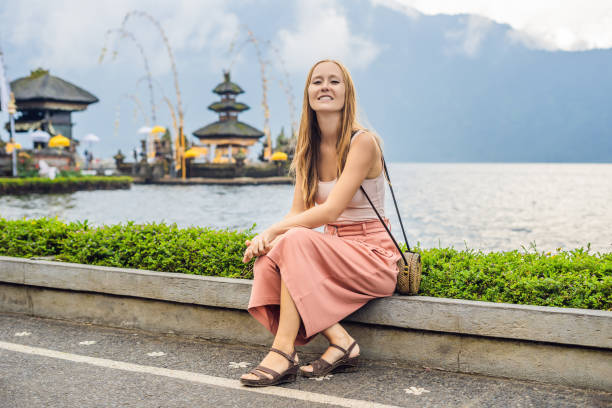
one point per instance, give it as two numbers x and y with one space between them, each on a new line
242 364
321 378
415 390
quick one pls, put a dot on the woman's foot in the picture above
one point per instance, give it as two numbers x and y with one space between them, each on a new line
273 361
332 354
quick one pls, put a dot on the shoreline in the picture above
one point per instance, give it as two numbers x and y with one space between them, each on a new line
234 181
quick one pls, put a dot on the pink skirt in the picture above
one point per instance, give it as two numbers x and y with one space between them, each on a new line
329 274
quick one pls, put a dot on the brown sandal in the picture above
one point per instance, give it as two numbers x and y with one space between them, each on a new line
289 375
344 364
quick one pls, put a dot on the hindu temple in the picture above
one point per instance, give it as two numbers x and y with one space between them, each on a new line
46 102
228 136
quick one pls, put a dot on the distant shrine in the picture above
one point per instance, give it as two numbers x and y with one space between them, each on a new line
228 135
46 102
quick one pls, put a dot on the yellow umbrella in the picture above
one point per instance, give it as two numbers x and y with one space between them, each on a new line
10 146
190 154
158 129
59 141
279 156
195 152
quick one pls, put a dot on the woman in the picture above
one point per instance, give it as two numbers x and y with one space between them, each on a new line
306 281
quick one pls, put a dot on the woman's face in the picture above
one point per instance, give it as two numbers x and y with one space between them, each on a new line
326 88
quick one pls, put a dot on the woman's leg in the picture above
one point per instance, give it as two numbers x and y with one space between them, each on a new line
288 326
337 335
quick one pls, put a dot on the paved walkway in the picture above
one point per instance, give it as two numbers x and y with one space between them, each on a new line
54 363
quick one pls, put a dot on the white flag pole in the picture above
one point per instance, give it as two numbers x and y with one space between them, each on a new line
8 105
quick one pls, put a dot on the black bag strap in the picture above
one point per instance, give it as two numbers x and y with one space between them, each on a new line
396 209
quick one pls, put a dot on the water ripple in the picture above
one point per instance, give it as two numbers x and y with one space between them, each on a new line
484 206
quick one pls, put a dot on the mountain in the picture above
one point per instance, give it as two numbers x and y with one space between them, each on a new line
443 88
432 101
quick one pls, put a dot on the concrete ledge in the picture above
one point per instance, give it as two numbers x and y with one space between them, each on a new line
566 346
581 327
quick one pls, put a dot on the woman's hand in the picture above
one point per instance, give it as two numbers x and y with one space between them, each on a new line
260 245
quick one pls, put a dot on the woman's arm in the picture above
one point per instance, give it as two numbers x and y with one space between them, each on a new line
298 205
359 161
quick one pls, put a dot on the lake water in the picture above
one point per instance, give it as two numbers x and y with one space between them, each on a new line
481 206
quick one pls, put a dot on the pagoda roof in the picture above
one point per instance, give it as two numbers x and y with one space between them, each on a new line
228 106
230 128
43 87
227 86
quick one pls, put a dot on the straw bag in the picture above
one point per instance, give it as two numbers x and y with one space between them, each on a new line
409 265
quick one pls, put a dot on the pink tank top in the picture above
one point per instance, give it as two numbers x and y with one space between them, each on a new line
358 209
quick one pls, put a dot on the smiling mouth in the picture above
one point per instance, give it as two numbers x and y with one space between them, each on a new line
325 97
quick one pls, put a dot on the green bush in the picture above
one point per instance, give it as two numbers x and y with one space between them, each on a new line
61 184
35 237
564 278
157 247
573 278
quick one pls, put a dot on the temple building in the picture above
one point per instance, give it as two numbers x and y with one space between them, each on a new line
46 102
228 135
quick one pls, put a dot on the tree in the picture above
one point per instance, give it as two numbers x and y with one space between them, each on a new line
282 142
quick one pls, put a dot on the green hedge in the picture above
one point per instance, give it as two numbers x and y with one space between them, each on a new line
29 185
575 278
157 247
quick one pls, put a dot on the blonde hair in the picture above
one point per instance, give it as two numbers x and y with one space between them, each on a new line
306 154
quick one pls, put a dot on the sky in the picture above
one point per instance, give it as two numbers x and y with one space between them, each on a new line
206 36
569 25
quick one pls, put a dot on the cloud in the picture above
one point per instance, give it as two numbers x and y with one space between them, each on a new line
470 37
569 25
69 34
400 6
322 31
